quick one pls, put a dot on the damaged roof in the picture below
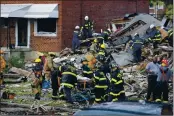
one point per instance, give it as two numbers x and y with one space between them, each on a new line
138 24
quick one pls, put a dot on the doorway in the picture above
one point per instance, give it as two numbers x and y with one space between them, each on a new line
22 39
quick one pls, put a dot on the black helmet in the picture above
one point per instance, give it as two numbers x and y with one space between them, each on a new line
83 59
101 58
113 64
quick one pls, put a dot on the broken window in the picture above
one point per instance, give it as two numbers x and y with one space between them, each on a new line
46 26
4 22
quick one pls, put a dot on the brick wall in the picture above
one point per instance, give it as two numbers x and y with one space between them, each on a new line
38 43
71 18
100 11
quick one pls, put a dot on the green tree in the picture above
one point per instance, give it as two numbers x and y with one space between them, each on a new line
167 4
169 11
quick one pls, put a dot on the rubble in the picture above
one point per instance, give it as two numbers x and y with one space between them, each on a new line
134 75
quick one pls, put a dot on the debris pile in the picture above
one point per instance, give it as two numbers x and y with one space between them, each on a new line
134 74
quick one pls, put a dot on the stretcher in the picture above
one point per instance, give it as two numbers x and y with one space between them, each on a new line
83 81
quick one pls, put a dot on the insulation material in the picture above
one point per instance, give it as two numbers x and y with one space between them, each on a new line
123 40
123 58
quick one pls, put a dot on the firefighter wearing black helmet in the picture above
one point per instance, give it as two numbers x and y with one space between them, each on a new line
116 86
100 83
69 80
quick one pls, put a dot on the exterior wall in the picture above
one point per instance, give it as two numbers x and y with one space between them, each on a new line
72 13
71 18
101 11
38 43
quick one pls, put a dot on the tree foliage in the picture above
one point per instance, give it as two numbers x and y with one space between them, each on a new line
169 11
169 7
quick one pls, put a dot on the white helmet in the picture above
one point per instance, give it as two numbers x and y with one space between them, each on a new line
152 26
135 34
109 29
86 18
77 27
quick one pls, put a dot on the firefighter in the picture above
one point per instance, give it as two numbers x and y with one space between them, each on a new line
69 81
87 72
51 72
61 69
164 75
49 65
136 47
37 82
152 70
116 86
100 84
154 35
170 36
76 39
102 50
100 39
106 35
55 79
2 61
87 28
95 46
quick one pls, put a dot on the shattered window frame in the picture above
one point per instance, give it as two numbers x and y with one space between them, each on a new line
37 33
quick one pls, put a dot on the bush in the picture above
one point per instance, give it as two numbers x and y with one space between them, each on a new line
17 61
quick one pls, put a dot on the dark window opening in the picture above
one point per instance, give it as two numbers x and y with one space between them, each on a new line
4 22
46 25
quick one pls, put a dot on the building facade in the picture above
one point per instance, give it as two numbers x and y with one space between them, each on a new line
47 25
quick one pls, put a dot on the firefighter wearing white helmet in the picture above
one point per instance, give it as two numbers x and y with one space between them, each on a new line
77 27
86 18
106 34
152 26
76 39
154 35
87 28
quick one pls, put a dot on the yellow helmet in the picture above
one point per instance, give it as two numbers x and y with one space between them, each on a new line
51 53
37 60
95 41
103 46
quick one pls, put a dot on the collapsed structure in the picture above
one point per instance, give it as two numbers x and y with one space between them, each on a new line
133 73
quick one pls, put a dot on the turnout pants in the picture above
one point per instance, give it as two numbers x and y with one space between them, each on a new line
137 55
117 96
67 92
87 33
54 80
151 86
100 94
75 44
162 89
36 87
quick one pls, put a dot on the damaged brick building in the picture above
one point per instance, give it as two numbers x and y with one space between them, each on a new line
47 25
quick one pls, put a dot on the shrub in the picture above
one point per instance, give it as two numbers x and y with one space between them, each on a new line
17 61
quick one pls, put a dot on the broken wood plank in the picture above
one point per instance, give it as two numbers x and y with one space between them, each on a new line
22 72
15 76
14 105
